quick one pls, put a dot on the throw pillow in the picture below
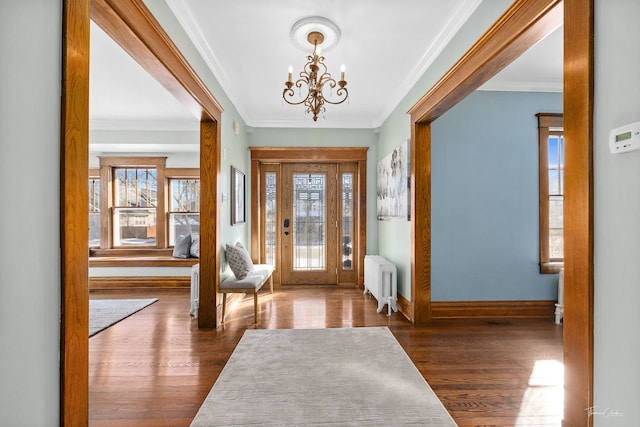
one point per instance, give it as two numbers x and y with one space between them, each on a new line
182 246
247 257
194 250
239 261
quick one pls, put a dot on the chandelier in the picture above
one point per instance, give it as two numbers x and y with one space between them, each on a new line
315 85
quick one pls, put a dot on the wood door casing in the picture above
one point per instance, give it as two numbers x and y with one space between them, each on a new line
269 247
270 160
324 249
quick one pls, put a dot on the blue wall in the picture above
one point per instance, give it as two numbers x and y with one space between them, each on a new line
484 172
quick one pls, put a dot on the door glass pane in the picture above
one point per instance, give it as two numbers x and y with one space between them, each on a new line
270 218
347 221
309 222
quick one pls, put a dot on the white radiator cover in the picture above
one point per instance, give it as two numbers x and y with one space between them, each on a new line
381 280
560 305
195 290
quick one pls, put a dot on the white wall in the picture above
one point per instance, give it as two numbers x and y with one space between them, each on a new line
617 214
181 147
30 43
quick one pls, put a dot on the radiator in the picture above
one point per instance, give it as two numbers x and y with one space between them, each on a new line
195 290
381 281
560 305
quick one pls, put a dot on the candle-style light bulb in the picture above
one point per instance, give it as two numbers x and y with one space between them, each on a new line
342 69
290 74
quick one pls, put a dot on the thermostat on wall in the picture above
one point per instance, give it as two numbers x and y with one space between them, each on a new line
625 138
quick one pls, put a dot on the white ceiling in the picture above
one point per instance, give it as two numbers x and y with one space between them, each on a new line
251 39
538 70
123 95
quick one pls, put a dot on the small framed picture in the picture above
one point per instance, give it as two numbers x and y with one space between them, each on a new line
237 196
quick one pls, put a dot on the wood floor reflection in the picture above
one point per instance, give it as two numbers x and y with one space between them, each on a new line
156 367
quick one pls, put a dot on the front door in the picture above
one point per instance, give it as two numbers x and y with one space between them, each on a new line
309 224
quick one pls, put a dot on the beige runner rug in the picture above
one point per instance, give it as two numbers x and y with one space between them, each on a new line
321 377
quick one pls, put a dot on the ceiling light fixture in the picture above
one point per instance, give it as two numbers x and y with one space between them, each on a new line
315 78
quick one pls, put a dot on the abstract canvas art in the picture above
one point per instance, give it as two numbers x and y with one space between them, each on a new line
393 185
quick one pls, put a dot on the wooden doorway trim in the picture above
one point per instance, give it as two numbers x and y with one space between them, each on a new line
522 25
273 155
133 27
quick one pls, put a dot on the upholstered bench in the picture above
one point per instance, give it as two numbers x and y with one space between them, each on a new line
252 283
247 278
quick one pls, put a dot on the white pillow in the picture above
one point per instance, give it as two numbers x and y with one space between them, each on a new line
194 250
182 246
239 260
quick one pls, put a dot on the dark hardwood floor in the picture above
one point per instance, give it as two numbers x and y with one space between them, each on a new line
156 367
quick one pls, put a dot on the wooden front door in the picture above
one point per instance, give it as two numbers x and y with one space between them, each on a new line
309 228
309 219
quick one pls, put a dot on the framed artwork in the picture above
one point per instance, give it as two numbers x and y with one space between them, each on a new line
237 196
393 185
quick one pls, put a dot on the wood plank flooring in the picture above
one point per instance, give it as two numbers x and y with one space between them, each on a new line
156 367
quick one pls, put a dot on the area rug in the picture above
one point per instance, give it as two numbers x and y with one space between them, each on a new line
321 377
107 312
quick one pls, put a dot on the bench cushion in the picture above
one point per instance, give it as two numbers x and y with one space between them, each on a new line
253 280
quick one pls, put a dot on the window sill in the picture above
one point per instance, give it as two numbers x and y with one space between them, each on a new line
551 267
138 258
